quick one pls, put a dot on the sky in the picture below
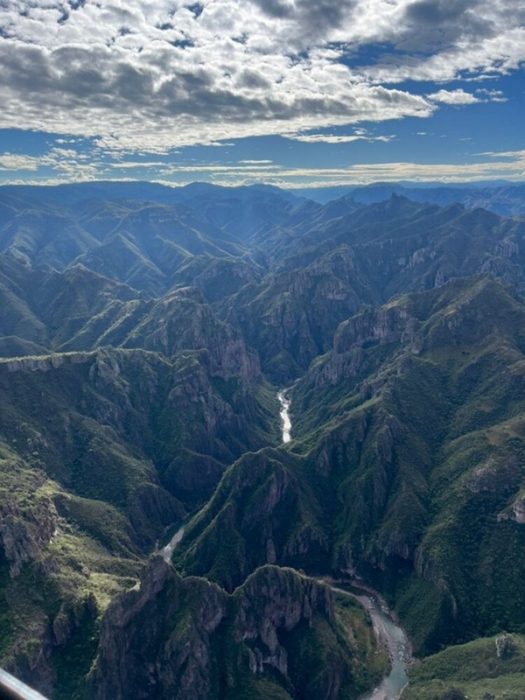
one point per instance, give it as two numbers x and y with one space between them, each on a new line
296 93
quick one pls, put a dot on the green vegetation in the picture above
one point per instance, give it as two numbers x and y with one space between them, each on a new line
478 671
279 633
142 348
407 465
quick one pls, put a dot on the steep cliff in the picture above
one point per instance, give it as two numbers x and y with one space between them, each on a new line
279 635
406 466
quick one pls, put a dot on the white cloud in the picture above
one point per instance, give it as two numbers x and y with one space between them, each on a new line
66 161
255 162
335 139
148 77
509 165
516 156
12 161
491 95
461 97
454 97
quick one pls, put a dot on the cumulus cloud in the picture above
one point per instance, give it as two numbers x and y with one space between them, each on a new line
13 161
149 77
461 97
454 97
306 22
433 24
335 138
441 40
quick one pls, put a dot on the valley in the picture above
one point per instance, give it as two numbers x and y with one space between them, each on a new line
389 634
215 400
284 415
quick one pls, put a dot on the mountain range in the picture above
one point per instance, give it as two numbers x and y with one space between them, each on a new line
144 335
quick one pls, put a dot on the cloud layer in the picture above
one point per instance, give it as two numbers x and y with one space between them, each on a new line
149 77
65 165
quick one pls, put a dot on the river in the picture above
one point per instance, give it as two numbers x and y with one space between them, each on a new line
167 551
387 632
286 423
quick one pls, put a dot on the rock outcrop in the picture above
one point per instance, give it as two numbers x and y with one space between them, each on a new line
187 639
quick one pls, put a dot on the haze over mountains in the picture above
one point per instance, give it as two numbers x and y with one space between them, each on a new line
144 334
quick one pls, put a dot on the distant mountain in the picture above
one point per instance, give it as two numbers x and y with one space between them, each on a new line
505 199
323 273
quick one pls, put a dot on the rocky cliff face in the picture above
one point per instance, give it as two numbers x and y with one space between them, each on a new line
24 535
292 314
103 452
186 638
157 641
183 321
263 512
391 451
154 411
269 602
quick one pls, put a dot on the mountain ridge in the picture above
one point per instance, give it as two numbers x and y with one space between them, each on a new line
145 398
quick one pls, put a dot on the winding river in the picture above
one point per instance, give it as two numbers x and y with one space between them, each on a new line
167 551
387 632
286 423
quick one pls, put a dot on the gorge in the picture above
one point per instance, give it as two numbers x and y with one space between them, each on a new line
286 423
165 530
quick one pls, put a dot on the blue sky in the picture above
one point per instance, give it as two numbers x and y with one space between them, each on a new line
291 92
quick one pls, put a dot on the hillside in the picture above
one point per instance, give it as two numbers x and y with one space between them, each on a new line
144 335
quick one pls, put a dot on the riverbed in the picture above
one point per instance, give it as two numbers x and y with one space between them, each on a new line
387 632
286 422
167 551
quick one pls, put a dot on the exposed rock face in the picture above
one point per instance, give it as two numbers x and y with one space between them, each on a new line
291 315
155 642
157 411
270 601
188 639
24 535
43 364
368 329
183 321
100 452
505 646
519 510
71 617
389 461
263 512
389 324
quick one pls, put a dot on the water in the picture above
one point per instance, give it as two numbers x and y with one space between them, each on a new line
398 646
167 551
286 423
385 629
395 640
